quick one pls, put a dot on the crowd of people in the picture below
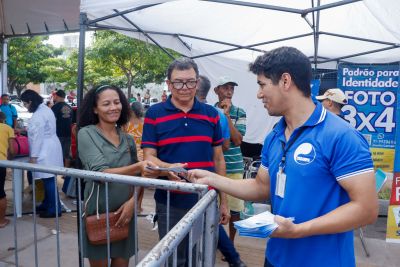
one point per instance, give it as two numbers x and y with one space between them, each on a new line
316 168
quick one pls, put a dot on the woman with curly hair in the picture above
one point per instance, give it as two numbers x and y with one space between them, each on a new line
104 147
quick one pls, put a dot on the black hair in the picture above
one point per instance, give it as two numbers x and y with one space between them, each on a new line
34 98
183 63
138 109
285 59
60 93
2 116
204 86
3 95
338 105
86 112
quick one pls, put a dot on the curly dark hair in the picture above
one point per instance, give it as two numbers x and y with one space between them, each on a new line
34 98
87 115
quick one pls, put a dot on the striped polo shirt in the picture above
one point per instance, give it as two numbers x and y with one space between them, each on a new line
233 156
181 137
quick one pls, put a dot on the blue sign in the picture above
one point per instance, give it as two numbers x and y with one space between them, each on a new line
371 91
315 84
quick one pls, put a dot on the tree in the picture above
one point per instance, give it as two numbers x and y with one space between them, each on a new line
65 71
138 62
27 56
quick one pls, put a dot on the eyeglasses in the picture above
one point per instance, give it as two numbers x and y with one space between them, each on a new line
189 84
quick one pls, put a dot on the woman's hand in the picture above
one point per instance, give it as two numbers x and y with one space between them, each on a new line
149 173
126 211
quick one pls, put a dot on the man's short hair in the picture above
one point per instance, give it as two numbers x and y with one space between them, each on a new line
183 63
2 116
3 95
285 60
61 93
204 86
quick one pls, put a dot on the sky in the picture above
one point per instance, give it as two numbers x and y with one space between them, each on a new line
57 39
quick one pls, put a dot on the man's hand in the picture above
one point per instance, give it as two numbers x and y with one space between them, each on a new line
225 215
126 211
172 176
226 106
33 160
286 228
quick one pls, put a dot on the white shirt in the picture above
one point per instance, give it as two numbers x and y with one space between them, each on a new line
43 141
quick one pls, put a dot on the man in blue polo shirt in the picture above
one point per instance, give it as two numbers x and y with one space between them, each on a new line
315 168
9 110
182 132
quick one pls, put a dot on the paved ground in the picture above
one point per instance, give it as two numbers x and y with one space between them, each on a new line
250 249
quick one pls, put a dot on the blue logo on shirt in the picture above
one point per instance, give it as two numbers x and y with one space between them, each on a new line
304 154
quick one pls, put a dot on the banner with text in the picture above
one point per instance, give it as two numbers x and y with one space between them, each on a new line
372 102
393 221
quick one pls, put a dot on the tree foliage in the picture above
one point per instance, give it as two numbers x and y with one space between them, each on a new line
113 59
132 61
27 57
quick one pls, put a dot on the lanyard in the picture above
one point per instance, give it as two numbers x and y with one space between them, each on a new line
286 147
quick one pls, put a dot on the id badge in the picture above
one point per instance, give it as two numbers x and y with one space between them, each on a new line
280 183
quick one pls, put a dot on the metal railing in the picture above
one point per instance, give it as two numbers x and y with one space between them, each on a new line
200 223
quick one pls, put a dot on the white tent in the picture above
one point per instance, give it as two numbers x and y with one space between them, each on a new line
329 32
39 17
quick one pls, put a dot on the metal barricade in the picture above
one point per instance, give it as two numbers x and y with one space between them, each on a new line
200 223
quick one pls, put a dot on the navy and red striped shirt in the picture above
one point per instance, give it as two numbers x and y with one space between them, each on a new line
181 137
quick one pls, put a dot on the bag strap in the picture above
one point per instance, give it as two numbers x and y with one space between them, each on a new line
97 201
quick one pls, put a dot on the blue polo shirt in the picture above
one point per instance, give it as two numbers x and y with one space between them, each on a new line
11 114
327 150
181 137
223 121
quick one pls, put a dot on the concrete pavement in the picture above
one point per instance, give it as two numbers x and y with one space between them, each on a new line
251 249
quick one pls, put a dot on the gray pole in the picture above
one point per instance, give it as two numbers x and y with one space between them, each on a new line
211 229
81 59
4 71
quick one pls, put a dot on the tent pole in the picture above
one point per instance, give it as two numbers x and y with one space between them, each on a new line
80 86
316 34
360 54
4 70
248 47
81 59
146 34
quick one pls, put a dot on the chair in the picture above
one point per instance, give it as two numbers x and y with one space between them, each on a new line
380 179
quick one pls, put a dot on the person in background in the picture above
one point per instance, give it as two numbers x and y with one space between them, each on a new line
316 168
9 110
225 245
333 100
164 96
104 147
135 129
233 156
182 132
6 151
45 149
147 97
138 97
63 114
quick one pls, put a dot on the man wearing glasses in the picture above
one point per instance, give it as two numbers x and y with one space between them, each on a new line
186 133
